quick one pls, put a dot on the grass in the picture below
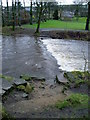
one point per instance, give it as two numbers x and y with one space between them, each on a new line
74 25
77 77
74 100
5 115
8 78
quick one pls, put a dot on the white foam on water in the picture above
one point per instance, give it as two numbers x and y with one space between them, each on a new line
70 54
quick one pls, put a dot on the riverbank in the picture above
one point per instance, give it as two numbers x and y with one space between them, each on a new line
52 33
61 100
25 54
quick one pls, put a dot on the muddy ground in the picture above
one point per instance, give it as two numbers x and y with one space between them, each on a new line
52 33
40 103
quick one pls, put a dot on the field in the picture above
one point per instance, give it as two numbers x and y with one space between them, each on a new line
74 24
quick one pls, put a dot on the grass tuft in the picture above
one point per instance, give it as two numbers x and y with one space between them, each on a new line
74 100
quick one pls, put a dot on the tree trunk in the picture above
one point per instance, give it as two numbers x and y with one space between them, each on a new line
15 12
13 17
19 19
39 20
88 17
7 14
3 22
49 10
31 13
37 11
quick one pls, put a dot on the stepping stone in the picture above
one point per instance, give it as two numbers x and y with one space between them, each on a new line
6 85
17 81
2 92
61 79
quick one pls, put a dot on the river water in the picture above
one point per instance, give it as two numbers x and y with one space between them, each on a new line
22 54
70 54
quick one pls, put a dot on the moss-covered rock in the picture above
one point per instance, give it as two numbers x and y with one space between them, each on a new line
28 88
77 77
26 77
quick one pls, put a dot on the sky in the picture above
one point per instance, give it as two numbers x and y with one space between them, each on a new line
27 2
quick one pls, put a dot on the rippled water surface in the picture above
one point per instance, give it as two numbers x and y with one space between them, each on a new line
70 54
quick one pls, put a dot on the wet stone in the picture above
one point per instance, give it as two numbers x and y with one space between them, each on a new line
6 85
61 79
25 95
2 92
19 81
38 78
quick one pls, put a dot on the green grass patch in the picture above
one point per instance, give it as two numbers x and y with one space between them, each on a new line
74 100
74 25
5 115
9 78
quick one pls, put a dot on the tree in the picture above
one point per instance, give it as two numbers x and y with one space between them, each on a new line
31 13
88 17
19 19
7 13
13 17
55 15
39 20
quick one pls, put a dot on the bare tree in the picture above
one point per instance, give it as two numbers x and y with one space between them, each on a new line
31 12
7 13
19 19
88 17
13 16
39 20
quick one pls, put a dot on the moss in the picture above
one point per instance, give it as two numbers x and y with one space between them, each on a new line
79 82
28 88
5 115
75 100
9 78
64 88
21 87
77 77
26 77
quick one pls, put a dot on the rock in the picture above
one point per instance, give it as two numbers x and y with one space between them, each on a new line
52 86
17 81
6 85
2 92
41 38
41 87
38 78
25 95
61 80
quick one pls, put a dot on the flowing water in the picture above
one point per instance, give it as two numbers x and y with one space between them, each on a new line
70 54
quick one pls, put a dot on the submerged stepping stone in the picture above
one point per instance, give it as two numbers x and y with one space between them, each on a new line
6 85
17 81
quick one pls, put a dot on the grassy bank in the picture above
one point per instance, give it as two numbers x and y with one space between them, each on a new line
74 25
